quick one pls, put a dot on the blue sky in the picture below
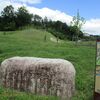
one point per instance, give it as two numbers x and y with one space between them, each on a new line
62 10
88 8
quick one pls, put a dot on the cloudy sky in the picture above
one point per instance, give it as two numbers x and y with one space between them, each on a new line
62 10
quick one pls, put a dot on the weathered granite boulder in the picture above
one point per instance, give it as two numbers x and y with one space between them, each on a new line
39 75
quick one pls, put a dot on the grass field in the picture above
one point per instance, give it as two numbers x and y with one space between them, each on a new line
8 94
98 62
30 42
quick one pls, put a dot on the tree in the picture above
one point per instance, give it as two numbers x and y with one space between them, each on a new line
45 23
23 17
8 12
58 25
77 23
8 18
37 20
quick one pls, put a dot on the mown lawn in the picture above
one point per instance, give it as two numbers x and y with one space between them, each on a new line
30 42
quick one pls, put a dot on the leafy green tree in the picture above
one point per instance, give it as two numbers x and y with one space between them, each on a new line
77 24
8 18
45 22
8 12
58 25
1 26
37 20
73 33
50 23
23 17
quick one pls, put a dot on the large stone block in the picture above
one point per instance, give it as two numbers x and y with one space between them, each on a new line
42 76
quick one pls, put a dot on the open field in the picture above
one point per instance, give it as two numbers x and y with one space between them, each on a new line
31 42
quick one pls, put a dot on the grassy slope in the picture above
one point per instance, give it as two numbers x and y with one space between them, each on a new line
31 43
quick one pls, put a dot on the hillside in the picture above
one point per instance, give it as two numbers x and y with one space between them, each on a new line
31 42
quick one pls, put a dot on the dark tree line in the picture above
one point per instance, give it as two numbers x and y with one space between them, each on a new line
11 20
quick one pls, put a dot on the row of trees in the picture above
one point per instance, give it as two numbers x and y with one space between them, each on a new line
11 20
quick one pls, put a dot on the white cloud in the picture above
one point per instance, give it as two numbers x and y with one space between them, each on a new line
4 3
91 26
51 14
27 1
17 3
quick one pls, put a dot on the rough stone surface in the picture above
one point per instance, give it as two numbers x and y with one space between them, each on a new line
39 75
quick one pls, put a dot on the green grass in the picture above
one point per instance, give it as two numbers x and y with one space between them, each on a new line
31 42
8 94
98 62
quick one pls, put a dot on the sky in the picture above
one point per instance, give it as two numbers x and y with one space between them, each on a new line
62 10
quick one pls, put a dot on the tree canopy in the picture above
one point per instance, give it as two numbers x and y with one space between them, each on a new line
76 24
